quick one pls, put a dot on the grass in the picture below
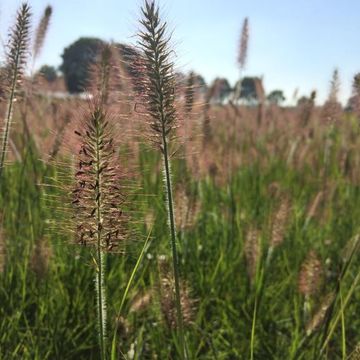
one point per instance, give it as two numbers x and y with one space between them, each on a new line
50 315
264 189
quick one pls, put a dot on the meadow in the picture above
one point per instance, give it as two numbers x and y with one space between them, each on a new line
267 213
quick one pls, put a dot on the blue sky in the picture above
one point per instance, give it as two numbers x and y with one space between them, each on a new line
293 44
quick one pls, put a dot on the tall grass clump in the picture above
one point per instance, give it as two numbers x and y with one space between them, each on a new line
16 58
159 96
98 196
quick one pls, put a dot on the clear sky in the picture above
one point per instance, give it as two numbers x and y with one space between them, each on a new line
293 44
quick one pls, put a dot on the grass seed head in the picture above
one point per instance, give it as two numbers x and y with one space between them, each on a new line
243 46
310 276
252 250
279 223
158 78
17 49
97 197
41 31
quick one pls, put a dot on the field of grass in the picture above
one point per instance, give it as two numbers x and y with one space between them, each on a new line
239 222
47 307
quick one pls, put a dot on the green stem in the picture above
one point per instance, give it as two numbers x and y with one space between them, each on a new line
173 244
100 255
253 327
129 283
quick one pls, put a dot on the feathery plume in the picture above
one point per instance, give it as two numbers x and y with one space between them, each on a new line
158 92
252 250
159 79
279 223
41 31
243 48
15 64
310 275
98 197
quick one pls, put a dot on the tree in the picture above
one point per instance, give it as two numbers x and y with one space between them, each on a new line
77 59
276 97
251 90
219 90
48 72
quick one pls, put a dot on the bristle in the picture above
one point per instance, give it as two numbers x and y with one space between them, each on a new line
310 276
41 31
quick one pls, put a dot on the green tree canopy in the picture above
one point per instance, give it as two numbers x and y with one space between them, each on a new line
249 90
48 72
220 90
276 97
77 59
